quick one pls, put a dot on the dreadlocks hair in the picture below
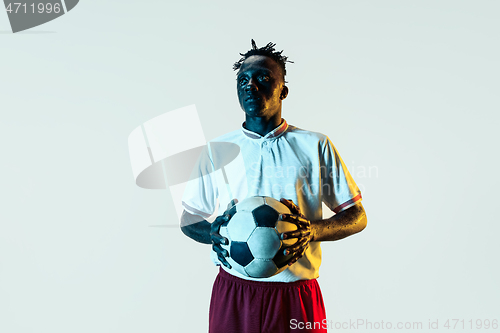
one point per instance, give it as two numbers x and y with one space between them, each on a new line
267 51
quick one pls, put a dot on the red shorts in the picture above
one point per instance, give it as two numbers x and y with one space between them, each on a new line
243 306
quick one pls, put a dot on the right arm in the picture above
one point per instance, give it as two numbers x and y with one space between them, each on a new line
202 231
196 227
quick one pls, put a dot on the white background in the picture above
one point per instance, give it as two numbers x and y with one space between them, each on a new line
408 88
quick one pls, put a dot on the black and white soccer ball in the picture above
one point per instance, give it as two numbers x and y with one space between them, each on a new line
255 248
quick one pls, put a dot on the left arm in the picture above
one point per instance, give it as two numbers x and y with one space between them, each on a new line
345 223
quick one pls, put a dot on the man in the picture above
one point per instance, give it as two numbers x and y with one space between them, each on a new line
280 161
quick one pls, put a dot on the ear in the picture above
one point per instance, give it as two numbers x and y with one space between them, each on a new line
284 92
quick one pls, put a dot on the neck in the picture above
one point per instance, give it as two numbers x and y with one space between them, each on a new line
262 125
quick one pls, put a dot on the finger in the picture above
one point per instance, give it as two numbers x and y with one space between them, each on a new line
231 208
298 246
296 234
218 239
295 208
224 261
297 256
288 203
232 203
295 259
295 219
220 251
291 205
220 220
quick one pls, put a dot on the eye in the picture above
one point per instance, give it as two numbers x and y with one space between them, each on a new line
242 81
264 78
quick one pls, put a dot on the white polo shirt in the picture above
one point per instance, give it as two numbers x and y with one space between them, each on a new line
289 163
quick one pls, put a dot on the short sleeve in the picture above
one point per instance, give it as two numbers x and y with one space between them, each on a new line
339 189
200 193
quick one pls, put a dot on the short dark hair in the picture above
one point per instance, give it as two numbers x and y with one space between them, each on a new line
267 51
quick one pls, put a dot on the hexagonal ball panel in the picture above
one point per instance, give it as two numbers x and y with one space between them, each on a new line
250 204
240 253
284 226
260 268
241 226
277 205
265 216
237 267
264 243
223 233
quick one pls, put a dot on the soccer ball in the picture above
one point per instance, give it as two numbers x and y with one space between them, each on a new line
255 248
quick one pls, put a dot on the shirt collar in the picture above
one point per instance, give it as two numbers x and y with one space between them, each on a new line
273 134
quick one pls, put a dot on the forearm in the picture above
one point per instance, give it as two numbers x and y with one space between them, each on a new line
341 225
198 230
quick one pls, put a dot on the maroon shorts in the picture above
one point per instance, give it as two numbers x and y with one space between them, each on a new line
243 306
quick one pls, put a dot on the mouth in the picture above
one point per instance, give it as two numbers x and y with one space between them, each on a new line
252 98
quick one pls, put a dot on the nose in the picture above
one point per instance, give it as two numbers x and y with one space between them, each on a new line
251 86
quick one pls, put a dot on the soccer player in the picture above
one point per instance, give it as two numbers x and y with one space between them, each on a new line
300 168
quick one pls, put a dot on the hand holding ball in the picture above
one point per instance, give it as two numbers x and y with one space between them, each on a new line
253 231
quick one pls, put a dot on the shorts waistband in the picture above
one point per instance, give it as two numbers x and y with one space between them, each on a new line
225 275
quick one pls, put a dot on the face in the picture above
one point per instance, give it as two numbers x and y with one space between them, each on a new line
261 87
